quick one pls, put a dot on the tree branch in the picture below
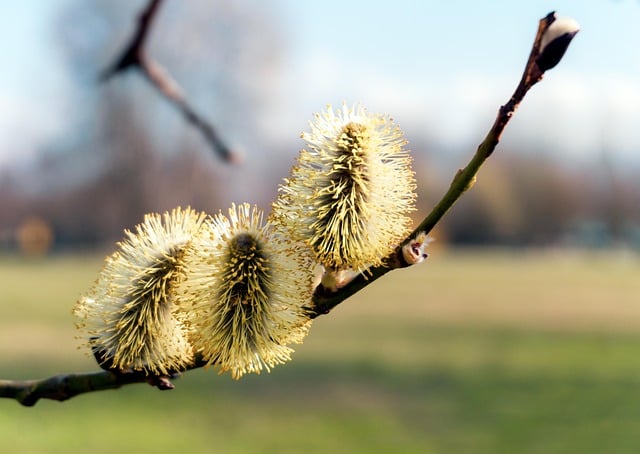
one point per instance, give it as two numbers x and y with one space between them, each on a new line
135 56
66 386
325 300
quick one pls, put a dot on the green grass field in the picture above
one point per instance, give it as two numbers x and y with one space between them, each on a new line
470 352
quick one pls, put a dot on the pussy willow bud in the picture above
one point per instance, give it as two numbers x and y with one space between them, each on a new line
350 192
129 315
245 293
555 41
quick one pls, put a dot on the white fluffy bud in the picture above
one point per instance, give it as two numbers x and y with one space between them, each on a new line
555 41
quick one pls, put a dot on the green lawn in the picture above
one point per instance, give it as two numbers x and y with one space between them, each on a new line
470 352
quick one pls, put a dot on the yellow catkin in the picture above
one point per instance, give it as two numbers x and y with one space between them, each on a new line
246 291
350 192
129 315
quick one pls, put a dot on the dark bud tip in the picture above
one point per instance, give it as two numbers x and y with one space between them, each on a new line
555 41
554 51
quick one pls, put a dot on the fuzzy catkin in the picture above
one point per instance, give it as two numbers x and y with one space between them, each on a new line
245 293
129 315
350 192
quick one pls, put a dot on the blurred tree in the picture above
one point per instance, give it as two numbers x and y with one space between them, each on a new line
549 195
489 214
35 236
127 151
523 199
617 199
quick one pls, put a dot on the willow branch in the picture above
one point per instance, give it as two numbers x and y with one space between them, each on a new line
66 386
325 300
135 56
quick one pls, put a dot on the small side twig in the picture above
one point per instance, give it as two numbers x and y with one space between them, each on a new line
135 56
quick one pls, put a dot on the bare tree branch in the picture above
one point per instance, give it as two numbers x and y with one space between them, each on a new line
63 387
134 52
135 56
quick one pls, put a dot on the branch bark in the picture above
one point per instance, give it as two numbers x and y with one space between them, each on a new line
135 56
66 386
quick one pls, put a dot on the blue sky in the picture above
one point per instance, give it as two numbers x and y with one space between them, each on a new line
437 67
445 67
30 78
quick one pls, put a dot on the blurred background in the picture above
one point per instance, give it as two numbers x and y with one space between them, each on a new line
85 159
540 342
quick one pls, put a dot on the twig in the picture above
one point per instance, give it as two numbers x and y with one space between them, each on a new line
324 300
66 386
133 53
135 56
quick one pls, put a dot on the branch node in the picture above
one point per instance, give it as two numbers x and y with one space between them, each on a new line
413 252
162 382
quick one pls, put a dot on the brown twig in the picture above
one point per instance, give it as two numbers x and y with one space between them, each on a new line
63 387
135 56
